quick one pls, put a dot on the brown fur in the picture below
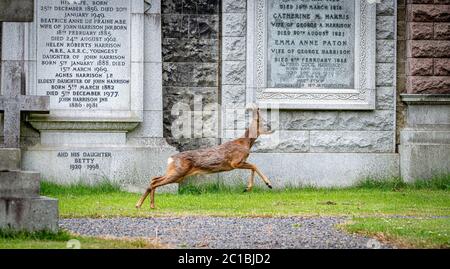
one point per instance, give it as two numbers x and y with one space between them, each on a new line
225 157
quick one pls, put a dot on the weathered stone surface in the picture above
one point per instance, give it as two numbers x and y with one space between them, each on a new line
233 96
151 126
210 123
29 214
442 49
171 7
428 13
204 26
190 50
431 84
233 6
233 72
235 119
177 74
442 67
234 49
380 120
234 24
385 74
12 102
424 161
174 26
385 8
205 75
183 144
301 120
352 141
16 10
319 169
385 27
385 98
419 67
153 86
425 143
196 98
9 159
189 7
420 30
190 74
428 48
385 51
286 141
18 184
200 6
442 30
152 39
196 122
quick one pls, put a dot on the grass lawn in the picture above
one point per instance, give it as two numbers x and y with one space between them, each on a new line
373 206
405 232
368 199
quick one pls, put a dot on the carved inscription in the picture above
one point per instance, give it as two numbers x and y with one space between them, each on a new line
83 53
84 160
311 44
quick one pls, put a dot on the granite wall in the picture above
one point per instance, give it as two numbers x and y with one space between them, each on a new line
190 71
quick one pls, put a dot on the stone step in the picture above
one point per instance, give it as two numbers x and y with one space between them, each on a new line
9 159
29 214
18 184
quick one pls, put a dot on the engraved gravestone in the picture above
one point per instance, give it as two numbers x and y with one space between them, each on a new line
88 58
311 44
311 54
83 54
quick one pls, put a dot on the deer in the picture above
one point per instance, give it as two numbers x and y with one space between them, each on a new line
221 158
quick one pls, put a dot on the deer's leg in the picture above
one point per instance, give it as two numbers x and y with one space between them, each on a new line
164 181
254 168
251 180
147 192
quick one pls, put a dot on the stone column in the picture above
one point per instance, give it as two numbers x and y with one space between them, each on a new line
425 142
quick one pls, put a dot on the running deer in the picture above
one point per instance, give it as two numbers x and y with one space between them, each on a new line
225 157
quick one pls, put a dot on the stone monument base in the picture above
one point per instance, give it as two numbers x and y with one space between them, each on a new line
21 206
313 169
425 142
130 164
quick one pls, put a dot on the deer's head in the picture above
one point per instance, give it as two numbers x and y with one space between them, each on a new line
258 126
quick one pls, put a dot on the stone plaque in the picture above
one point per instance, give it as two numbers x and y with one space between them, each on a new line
83 53
311 44
308 54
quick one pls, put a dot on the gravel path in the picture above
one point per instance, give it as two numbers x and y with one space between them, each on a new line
217 232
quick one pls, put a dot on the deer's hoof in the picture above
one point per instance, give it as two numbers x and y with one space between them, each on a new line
245 190
270 186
